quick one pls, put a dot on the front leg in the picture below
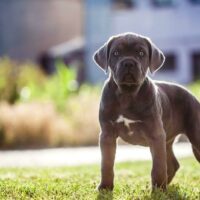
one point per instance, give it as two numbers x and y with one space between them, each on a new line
159 156
172 163
108 149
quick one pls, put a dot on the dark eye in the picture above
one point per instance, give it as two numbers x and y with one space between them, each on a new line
116 53
141 53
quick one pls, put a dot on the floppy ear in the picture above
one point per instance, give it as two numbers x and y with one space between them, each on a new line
101 57
156 57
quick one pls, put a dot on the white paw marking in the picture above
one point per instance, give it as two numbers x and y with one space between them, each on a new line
127 122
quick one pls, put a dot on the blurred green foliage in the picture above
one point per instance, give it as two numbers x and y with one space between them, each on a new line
56 88
8 81
46 111
26 82
34 119
195 88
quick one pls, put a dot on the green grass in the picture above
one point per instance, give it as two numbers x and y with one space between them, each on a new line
132 181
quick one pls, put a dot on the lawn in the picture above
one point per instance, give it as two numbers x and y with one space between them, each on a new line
132 181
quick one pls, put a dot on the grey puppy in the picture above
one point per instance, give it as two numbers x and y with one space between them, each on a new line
142 111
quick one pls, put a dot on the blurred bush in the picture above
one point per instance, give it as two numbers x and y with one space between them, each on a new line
26 82
40 111
48 111
195 88
56 88
8 81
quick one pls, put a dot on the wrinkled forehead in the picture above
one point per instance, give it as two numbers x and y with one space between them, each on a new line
129 42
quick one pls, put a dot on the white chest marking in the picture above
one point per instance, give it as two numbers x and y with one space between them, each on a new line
127 122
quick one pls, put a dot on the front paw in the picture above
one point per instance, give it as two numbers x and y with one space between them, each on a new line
104 186
162 188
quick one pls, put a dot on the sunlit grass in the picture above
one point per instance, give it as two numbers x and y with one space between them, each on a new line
132 181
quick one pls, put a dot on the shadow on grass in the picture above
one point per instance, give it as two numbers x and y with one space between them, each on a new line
173 192
105 195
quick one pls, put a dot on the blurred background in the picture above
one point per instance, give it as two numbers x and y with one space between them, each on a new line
49 85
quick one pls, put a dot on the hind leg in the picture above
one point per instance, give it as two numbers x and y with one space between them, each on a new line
196 152
172 163
195 141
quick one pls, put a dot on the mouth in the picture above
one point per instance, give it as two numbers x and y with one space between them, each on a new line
127 83
129 80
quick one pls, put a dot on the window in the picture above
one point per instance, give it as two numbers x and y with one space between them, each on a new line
123 4
195 1
196 65
170 63
162 3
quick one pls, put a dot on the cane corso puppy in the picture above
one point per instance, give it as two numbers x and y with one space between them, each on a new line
142 111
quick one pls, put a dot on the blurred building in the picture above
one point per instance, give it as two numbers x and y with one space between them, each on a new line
30 27
172 24
36 29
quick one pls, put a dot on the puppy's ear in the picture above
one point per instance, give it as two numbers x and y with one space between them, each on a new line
156 57
101 56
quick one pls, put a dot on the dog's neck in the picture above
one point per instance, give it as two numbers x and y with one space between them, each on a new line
139 97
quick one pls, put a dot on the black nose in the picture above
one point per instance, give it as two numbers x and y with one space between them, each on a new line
129 65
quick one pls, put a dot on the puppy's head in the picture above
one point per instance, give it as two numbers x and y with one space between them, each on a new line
129 56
